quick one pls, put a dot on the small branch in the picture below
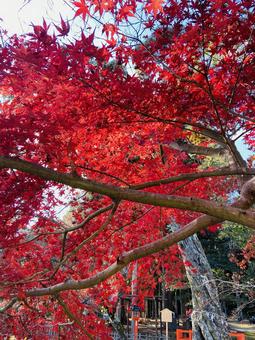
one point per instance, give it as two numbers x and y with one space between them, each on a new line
145 213
91 237
193 176
244 133
97 232
165 66
8 305
250 120
73 317
232 149
103 173
128 224
63 247
30 307
241 68
206 131
61 224
27 280
67 230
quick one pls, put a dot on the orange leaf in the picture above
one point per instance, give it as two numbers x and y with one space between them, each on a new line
155 6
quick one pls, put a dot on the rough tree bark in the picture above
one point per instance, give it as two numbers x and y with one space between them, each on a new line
208 320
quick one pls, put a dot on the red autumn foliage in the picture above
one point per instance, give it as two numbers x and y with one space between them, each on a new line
151 102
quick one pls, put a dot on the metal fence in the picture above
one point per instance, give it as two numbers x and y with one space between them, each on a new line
143 336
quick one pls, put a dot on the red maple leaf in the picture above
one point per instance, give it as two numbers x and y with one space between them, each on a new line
109 30
125 12
154 6
82 9
64 28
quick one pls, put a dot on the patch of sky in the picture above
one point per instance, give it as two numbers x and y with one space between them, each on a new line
18 15
243 149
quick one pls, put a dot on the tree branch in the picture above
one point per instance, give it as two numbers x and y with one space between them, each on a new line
88 239
73 317
193 176
245 201
195 149
66 230
8 305
220 211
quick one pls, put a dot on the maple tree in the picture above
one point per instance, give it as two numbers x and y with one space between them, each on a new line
129 118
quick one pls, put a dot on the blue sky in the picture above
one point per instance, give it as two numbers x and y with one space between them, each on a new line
17 17
243 149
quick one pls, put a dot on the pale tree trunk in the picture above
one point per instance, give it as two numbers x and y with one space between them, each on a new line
134 291
208 320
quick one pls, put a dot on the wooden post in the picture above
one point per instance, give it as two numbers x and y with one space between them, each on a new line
156 315
166 316
167 330
128 306
135 334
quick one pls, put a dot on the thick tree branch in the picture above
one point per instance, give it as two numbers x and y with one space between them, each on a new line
220 211
126 258
246 199
236 156
195 149
230 149
214 135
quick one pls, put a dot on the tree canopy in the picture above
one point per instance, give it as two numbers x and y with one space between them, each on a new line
129 109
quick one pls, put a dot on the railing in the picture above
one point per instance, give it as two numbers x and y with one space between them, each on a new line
182 334
141 336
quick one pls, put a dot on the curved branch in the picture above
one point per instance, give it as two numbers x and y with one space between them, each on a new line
220 211
192 176
245 201
86 220
196 149
88 239
126 258
8 305
67 230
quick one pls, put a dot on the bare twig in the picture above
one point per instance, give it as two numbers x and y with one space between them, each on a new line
10 304
91 237
67 230
73 317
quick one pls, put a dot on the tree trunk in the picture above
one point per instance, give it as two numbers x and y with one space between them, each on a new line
208 320
134 291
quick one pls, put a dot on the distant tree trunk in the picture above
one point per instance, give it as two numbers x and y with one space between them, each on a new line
134 291
208 320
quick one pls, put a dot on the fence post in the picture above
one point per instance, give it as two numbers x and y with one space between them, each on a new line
238 336
181 332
